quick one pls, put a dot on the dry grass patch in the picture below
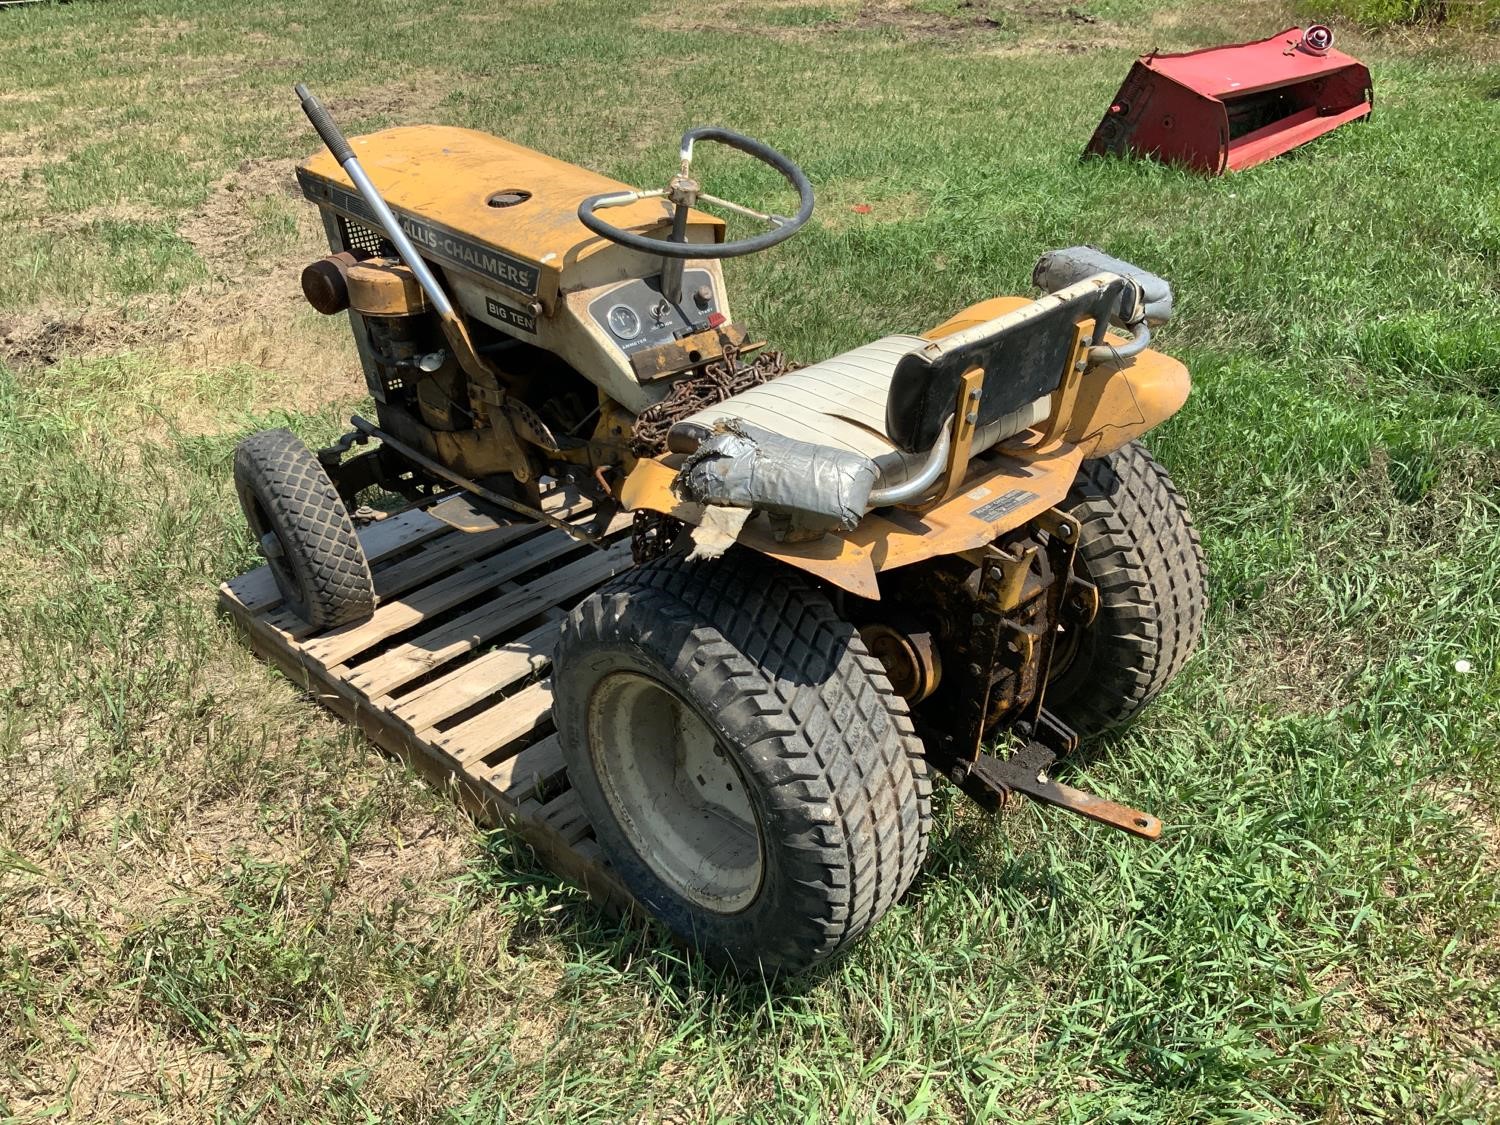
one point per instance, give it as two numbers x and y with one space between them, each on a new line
120 211
34 339
1028 28
1281 673
1457 797
126 1071
230 224
409 101
251 317
22 155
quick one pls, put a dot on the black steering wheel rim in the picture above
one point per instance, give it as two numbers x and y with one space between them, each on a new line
713 250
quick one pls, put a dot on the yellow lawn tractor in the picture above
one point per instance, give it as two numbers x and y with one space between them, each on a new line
933 554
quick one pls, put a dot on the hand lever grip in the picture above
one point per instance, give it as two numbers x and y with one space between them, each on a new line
332 135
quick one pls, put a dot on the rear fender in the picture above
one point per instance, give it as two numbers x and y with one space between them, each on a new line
1001 493
1114 404
1117 404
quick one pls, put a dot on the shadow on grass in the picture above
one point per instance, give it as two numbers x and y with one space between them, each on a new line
549 910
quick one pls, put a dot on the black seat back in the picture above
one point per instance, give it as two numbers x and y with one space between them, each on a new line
1022 360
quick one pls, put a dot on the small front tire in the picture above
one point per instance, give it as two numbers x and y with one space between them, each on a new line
303 530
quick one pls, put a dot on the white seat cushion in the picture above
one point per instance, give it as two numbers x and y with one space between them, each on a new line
841 402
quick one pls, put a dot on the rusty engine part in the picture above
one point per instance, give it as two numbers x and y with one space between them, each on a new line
993 617
910 656
407 346
974 660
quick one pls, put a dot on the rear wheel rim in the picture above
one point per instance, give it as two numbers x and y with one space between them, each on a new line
676 792
1068 641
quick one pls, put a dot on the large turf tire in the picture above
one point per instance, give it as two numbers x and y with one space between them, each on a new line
303 530
1138 546
823 747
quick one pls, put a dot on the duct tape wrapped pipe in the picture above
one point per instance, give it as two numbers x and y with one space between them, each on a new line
1058 269
807 489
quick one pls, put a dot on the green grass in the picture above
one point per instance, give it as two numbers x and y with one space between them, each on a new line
219 903
1385 13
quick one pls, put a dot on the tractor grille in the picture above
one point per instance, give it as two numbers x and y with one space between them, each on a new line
363 241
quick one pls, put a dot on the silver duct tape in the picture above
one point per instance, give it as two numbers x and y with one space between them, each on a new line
805 488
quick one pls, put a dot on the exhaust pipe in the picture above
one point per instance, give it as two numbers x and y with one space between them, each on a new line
453 326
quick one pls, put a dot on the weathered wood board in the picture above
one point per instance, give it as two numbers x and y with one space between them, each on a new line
451 674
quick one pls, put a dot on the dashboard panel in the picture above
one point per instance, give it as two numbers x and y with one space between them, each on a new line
636 315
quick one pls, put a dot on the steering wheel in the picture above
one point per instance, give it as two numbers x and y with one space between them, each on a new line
683 191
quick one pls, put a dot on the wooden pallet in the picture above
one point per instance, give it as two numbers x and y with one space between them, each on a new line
450 674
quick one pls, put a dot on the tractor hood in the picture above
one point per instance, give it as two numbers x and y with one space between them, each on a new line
502 213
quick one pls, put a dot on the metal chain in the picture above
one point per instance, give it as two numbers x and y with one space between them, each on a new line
654 534
717 381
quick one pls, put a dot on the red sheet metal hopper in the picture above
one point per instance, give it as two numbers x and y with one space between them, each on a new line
1225 109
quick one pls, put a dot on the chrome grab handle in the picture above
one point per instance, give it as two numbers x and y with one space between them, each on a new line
932 468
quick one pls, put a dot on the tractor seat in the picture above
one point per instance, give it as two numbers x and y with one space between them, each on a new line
820 447
841 403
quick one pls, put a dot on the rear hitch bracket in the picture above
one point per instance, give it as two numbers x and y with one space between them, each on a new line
990 780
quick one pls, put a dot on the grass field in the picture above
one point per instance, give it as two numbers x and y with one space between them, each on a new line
218 903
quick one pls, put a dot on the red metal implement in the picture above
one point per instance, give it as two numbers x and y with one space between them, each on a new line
1226 109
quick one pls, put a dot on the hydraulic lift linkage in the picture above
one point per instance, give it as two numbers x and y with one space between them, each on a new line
1013 619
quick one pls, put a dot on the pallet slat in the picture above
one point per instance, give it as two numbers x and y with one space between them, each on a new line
564 814
343 644
484 676
453 549
485 658
507 722
422 654
533 770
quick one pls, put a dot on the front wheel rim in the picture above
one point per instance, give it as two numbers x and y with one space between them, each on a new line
273 548
676 792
